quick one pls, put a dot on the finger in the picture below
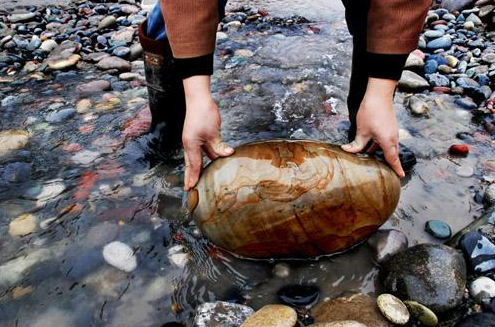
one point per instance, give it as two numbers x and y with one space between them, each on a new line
357 145
372 149
222 149
391 153
210 152
186 170
195 160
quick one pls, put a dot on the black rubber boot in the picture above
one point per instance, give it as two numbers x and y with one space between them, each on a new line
166 96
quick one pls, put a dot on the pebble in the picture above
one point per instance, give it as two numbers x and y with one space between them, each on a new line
272 315
23 225
130 76
438 80
432 274
60 64
85 157
299 295
422 313
342 323
83 106
478 251
465 170
281 270
482 288
443 42
438 229
178 257
21 17
466 103
114 63
61 115
45 192
48 45
120 255
107 22
386 243
459 149
393 309
11 140
93 87
123 36
219 314
411 81
16 172
475 19
414 62
452 61
489 196
478 320
430 67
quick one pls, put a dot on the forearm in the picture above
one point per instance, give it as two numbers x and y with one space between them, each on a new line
380 88
197 88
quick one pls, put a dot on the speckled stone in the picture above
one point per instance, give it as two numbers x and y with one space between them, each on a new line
393 309
272 315
422 313
221 314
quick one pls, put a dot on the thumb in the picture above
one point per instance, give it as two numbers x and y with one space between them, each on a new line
357 145
220 148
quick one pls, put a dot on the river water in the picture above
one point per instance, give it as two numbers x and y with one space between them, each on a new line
56 276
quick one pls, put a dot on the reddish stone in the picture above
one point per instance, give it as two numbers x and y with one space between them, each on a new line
459 149
110 170
179 237
85 185
72 209
441 89
439 22
73 147
86 129
263 12
138 125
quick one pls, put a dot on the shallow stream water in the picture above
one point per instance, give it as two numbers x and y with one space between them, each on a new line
293 87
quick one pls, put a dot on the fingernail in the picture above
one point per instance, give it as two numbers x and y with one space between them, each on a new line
229 150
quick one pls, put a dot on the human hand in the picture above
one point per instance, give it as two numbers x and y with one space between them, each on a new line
376 121
201 129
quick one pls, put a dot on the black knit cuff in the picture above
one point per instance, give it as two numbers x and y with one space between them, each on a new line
386 66
194 66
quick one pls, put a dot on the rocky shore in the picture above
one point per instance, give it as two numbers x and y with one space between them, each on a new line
82 214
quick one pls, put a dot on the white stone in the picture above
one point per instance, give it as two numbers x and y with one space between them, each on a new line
120 255
393 309
21 17
23 225
482 288
48 45
475 19
221 314
46 192
178 257
414 61
13 271
85 157
465 171
222 36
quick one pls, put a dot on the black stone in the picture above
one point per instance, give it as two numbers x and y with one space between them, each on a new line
173 324
478 251
299 295
478 320
406 156
432 274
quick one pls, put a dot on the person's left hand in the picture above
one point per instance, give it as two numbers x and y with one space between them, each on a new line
376 121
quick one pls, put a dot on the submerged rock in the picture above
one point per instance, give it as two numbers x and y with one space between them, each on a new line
418 106
299 295
23 225
478 320
272 315
114 63
422 314
411 81
11 140
93 87
64 63
357 307
479 251
297 186
434 275
120 255
221 314
343 323
386 243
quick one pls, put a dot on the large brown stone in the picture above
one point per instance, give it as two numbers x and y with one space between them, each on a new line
273 315
357 307
292 199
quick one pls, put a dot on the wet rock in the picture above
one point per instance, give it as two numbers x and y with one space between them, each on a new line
64 63
393 309
114 63
120 255
452 61
178 257
489 196
438 80
459 149
478 251
418 106
85 157
123 36
478 320
83 106
466 103
93 87
438 229
357 307
456 5
107 22
96 56
475 19
430 67
61 115
343 323
434 275
443 42
422 313
11 140
45 192
121 52
23 225
386 243
221 314
272 315
48 45
16 172
21 17
483 288
414 62
465 171
299 295
411 81
14 270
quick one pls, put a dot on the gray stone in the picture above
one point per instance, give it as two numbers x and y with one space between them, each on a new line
61 115
16 172
466 103
411 81
93 87
475 19
221 314
434 34
478 320
114 63
21 17
414 62
443 42
431 274
107 22
489 197
438 80
386 243
456 5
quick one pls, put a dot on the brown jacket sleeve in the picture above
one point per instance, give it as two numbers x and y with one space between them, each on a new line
191 26
394 25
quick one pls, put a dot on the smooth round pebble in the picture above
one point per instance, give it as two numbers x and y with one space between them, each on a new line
482 288
120 255
422 313
272 315
438 229
393 309
23 225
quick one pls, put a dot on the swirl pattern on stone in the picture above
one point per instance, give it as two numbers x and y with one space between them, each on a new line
292 199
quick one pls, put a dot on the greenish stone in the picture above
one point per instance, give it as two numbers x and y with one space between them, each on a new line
438 229
422 313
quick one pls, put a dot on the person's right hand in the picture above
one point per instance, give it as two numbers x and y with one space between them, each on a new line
201 129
